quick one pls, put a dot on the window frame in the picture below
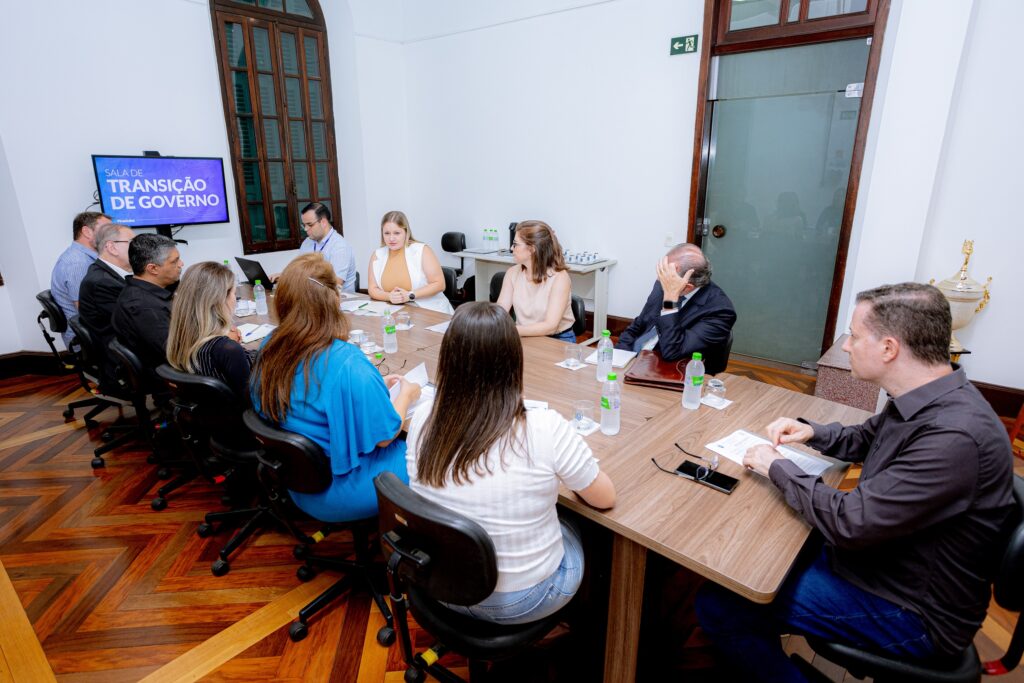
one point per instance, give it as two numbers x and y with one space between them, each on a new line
789 33
251 16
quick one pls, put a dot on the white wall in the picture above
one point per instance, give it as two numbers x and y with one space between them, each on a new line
576 117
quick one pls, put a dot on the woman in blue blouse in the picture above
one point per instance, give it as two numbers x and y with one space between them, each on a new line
309 380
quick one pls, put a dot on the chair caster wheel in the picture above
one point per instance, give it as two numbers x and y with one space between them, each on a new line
386 636
91 424
158 503
69 414
204 530
220 567
300 552
298 631
163 473
413 675
107 436
305 573
98 462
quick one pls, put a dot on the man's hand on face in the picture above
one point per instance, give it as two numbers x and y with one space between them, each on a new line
671 283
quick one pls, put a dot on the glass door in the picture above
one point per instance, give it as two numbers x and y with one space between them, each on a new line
783 124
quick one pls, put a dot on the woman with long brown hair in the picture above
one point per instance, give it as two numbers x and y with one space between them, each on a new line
202 339
537 288
478 451
310 380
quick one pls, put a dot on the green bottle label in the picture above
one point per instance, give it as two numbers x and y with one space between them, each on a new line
698 380
390 329
604 403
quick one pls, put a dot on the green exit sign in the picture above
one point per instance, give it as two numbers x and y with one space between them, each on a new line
683 45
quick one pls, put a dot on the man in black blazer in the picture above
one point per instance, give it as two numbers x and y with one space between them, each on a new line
686 312
105 279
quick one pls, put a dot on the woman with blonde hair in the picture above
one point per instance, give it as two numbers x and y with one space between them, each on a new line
310 380
201 339
538 288
478 451
403 270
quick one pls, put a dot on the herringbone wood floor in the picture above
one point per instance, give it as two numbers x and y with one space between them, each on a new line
117 592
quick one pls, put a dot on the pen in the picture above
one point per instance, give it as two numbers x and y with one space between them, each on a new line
365 305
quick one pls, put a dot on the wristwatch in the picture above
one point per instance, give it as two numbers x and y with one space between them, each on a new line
669 305
412 296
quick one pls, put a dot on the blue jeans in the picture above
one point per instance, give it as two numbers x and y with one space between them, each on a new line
812 601
532 604
566 336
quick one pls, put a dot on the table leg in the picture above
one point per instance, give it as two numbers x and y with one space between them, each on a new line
600 301
625 603
485 270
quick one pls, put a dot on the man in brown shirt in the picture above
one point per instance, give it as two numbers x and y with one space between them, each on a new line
910 553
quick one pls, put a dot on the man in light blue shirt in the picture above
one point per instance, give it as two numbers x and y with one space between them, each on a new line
322 238
71 266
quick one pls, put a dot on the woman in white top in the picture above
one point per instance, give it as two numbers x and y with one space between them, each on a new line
403 270
537 288
477 450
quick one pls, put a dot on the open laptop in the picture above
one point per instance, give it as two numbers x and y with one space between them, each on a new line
253 271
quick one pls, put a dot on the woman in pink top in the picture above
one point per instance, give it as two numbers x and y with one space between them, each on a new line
537 288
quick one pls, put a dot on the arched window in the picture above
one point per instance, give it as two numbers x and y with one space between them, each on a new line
277 102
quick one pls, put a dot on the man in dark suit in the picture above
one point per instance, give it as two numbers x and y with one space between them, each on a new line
104 280
686 312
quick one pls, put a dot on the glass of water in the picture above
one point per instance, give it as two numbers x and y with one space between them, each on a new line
715 391
573 356
583 415
403 321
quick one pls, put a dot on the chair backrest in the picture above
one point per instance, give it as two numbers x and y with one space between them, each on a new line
1008 588
453 242
579 315
496 281
52 312
205 402
90 355
447 555
298 463
127 368
451 289
357 280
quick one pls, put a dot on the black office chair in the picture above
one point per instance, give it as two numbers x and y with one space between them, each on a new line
579 315
58 323
453 243
436 555
134 385
964 667
293 462
496 281
451 289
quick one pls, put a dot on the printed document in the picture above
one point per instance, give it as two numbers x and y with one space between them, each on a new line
736 444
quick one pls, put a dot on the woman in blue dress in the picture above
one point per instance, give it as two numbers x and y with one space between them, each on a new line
308 379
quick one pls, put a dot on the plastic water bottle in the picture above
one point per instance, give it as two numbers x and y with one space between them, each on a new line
693 385
605 351
611 402
487 238
390 335
260 295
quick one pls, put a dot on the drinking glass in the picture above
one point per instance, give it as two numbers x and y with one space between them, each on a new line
573 355
403 321
583 415
715 392
356 337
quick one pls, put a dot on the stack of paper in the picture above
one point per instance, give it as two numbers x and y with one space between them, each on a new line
440 327
252 332
736 444
619 358
366 307
418 375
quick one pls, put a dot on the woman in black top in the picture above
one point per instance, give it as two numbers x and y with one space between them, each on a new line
201 339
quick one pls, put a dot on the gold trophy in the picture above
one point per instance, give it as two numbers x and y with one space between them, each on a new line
966 297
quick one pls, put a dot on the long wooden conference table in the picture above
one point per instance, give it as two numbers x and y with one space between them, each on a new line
746 541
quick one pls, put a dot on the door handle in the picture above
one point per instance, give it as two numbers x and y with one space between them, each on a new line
718 231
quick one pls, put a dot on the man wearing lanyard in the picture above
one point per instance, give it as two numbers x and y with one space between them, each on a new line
322 238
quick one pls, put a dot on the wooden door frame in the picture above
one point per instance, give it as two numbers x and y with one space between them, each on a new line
702 133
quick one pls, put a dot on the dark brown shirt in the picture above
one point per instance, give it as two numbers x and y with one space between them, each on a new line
928 522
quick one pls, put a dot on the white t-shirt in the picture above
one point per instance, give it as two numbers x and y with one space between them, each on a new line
516 505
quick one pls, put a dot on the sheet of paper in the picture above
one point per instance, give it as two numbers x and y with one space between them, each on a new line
440 327
365 307
418 375
252 332
530 404
619 358
736 444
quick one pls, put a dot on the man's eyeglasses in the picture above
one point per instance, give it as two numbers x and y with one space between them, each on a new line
712 463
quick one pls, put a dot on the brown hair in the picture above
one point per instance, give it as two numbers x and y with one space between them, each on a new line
200 312
547 252
915 314
479 398
310 318
85 219
399 219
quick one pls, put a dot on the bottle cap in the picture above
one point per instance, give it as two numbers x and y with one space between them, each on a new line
378 355
257 282
612 377
697 356
606 333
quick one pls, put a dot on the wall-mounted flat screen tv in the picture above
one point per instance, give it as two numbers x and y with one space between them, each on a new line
150 191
